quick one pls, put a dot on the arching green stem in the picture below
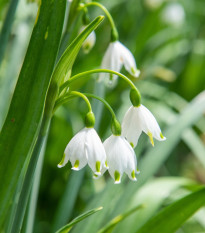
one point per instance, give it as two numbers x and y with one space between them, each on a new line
62 100
70 95
115 125
86 73
114 35
103 101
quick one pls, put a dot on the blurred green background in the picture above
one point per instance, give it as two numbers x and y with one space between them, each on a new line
167 39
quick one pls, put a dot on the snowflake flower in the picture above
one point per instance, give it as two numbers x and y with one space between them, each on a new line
85 147
120 158
115 57
138 119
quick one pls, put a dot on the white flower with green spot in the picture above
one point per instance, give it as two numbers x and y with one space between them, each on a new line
120 158
115 57
89 42
85 148
138 119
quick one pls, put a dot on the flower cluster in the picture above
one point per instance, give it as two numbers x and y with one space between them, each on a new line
116 154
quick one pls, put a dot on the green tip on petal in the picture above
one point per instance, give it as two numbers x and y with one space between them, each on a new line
95 176
133 175
131 144
151 138
62 161
138 171
117 177
106 164
97 166
161 136
76 165
133 70
87 47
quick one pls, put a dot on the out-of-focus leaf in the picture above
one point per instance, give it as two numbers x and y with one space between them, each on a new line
109 227
68 227
195 144
160 189
4 35
68 199
172 217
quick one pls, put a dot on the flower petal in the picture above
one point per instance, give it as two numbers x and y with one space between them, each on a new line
128 60
131 128
149 124
116 162
95 151
75 150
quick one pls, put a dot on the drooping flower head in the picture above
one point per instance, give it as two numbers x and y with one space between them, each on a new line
120 158
85 148
115 57
138 119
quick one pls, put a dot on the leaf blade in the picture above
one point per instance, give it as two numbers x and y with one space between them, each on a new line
175 214
67 227
22 124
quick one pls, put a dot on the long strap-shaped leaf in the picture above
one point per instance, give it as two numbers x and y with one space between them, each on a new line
22 124
173 216
62 69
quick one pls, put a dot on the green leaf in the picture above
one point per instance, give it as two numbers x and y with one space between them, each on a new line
195 144
172 217
109 227
22 124
160 189
68 227
4 35
68 199
61 71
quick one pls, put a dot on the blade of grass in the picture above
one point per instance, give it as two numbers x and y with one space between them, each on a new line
4 36
153 194
68 227
30 218
109 227
61 70
68 199
172 217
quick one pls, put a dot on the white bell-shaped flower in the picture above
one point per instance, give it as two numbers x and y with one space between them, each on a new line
115 57
120 158
89 42
138 119
85 147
